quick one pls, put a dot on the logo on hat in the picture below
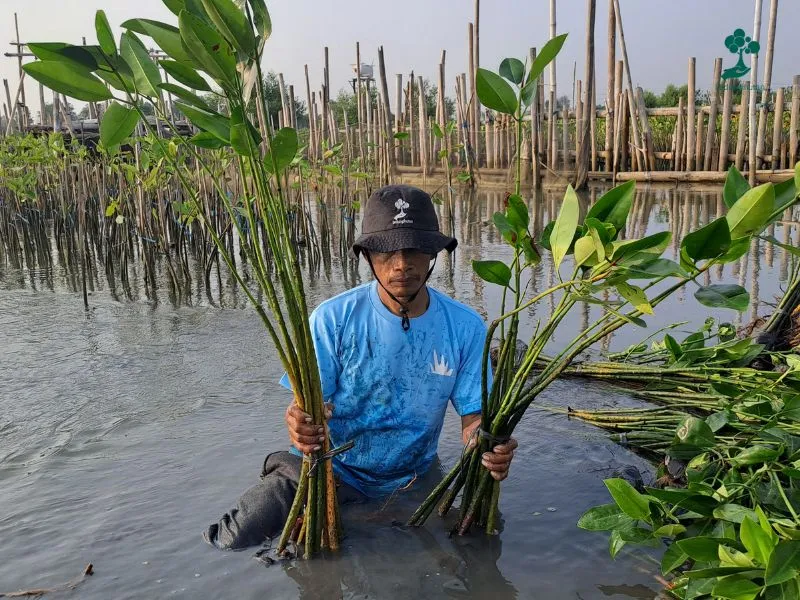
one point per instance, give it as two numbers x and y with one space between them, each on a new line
400 218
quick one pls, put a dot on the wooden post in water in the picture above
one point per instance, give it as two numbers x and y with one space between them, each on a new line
411 109
535 149
712 116
325 98
617 112
751 112
637 141
586 132
361 116
387 114
472 100
678 162
777 130
423 127
578 87
624 146
647 133
765 94
741 134
565 136
21 75
690 116
312 150
794 121
725 134
698 148
42 112
398 117
476 63
552 115
611 89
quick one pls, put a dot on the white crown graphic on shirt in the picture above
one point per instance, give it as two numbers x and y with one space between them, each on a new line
439 366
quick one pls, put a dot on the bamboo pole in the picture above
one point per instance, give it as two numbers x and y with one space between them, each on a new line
617 134
361 147
698 148
777 130
637 141
326 98
477 47
578 87
752 109
552 146
586 133
647 132
725 134
312 151
472 102
387 116
690 116
21 74
624 114
423 130
398 119
712 117
741 134
794 121
565 136
42 112
766 94
414 138
611 94
679 137
593 125
10 109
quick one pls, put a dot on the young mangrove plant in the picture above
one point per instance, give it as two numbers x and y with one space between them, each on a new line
602 264
221 41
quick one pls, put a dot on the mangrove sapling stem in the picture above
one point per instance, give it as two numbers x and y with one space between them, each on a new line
781 491
427 505
297 504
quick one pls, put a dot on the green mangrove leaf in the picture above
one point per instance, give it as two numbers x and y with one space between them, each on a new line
670 530
715 572
784 563
185 74
168 37
532 256
513 69
654 269
243 140
528 91
185 95
695 432
209 51
207 140
631 502
702 548
564 228
735 513
517 212
333 170
146 75
401 135
673 347
117 124
673 558
754 455
752 211
758 543
604 518
495 92
232 24
717 420
77 56
68 80
788 247
504 227
437 131
175 6
652 244
739 247
636 296
585 252
546 56
613 206
736 587
262 21
493 271
282 150
615 543
211 122
723 295
735 187
710 241
105 37
788 590
785 195
544 237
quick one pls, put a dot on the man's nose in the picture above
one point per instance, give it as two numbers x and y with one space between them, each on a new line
402 259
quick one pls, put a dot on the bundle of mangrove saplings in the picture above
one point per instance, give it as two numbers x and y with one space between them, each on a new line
631 270
220 40
727 522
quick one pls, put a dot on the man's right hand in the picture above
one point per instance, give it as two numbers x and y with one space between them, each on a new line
305 436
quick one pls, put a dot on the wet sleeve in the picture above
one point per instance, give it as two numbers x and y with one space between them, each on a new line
326 345
466 396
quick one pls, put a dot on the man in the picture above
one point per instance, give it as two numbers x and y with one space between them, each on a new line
392 353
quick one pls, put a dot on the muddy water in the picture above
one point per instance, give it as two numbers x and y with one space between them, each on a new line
127 428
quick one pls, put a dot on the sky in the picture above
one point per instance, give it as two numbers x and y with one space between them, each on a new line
661 35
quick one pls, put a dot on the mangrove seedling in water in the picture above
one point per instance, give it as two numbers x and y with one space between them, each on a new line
220 40
631 270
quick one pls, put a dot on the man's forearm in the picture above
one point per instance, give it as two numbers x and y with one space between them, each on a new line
468 425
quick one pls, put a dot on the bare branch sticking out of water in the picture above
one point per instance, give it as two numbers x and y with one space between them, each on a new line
70 585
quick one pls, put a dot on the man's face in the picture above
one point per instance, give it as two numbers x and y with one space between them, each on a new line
401 272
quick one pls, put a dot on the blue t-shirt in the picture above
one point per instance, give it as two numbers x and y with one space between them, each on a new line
390 387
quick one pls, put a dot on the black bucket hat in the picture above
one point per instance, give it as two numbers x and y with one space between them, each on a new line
401 217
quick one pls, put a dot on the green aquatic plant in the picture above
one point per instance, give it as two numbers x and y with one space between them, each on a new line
221 41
